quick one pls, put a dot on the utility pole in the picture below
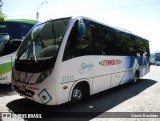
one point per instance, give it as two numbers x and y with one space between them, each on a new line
37 13
1 4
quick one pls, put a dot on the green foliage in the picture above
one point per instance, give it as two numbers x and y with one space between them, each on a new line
2 16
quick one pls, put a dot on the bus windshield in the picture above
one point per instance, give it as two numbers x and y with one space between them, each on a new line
10 31
43 41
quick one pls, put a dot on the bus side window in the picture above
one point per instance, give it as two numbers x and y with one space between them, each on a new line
86 46
100 42
76 47
107 42
68 52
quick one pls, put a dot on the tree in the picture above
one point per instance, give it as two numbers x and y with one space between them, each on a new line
2 16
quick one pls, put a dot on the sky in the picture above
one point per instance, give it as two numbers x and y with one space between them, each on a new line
140 17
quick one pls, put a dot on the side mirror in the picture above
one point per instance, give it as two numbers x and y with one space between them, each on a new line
81 29
4 43
6 39
15 43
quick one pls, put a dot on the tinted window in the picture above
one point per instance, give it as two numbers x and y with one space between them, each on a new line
76 47
13 30
103 40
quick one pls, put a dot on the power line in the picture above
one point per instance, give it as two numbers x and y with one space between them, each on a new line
132 6
95 10
116 8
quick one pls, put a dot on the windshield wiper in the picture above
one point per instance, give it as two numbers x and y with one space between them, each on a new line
20 54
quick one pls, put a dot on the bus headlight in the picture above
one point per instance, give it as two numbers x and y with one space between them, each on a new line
43 75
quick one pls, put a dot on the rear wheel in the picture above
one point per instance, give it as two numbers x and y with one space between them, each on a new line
136 75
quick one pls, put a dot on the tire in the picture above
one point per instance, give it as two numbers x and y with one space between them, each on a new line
77 95
135 78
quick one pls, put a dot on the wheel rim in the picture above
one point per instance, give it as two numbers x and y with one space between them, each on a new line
135 78
77 95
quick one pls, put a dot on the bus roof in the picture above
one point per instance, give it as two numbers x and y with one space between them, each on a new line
28 21
115 28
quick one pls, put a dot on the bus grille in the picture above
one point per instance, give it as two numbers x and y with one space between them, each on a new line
27 92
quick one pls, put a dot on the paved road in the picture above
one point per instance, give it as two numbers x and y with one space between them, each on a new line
141 97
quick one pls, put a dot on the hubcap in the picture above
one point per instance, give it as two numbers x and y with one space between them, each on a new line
77 94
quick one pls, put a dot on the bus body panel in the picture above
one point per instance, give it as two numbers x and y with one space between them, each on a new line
6 78
41 93
104 71
6 65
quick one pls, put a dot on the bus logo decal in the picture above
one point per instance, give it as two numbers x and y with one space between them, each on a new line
110 62
5 77
85 66
67 78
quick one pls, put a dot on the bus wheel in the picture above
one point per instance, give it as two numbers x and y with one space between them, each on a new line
135 78
77 95
80 91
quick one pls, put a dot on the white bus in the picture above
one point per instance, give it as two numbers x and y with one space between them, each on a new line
67 59
12 31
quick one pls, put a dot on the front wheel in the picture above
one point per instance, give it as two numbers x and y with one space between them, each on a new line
77 95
